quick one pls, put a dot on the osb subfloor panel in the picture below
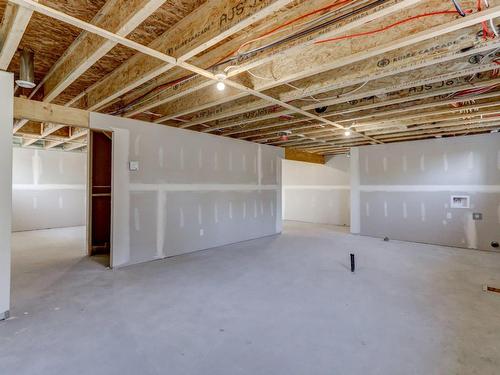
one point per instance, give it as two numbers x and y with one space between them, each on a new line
279 305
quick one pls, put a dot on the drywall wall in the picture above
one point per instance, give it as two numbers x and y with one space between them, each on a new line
191 191
316 193
6 123
405 190
49 189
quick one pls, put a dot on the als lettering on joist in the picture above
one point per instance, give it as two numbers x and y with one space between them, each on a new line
212 22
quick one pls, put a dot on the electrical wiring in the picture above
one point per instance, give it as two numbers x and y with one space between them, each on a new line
458 8
291 22
395 24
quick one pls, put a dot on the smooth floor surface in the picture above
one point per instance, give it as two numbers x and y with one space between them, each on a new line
279 305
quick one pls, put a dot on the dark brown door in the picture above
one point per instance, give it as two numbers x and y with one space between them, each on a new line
100 205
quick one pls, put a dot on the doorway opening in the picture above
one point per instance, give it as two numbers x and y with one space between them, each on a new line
100 190
49 205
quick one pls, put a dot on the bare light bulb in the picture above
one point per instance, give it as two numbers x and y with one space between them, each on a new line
221 86
347 133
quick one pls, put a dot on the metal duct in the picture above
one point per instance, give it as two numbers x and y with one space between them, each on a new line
26 70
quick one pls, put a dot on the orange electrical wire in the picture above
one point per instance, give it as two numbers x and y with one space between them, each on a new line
292 21
406 20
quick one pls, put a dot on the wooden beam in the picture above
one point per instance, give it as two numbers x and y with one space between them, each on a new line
209 24
14 24
119 16
46 112
291 154
368 15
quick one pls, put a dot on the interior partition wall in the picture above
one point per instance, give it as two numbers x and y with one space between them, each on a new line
177 191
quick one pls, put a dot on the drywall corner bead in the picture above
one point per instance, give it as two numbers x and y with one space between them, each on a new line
470 232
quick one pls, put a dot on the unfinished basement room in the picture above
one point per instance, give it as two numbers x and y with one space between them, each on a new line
249 187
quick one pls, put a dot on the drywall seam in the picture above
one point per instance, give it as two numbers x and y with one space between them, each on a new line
46 187
200 187
431 188
317 187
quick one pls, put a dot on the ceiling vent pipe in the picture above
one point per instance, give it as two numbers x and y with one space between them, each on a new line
26 70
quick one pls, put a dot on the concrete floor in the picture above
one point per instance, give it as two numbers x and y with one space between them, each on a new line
279 305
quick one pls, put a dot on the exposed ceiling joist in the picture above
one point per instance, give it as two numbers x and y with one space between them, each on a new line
14 23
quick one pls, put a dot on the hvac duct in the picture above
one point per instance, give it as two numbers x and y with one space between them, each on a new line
26 70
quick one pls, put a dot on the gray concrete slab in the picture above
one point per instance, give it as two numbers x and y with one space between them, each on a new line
279 305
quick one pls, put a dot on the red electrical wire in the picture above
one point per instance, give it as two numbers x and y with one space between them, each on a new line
406 20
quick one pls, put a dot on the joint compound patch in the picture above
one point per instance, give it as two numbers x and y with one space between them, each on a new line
137 223
498 160
244 162
422 163
216 161
61 202
181 158
386 213
470 161
255 208
384 164
405 163
161 157
244 210
445 162
405 210
230 161
181 217
272 208
423 211
200 159
216 213
200 215
367 209
231 210
137 145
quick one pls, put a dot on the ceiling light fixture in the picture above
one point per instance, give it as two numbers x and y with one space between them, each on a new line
221 77
347 132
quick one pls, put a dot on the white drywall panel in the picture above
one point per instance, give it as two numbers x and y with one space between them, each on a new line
48 189
6 124
317 193
406 191
192 191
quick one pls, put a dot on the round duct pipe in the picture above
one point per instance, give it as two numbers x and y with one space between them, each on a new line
26 70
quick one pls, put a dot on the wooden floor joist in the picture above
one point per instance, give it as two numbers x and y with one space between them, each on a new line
386 70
